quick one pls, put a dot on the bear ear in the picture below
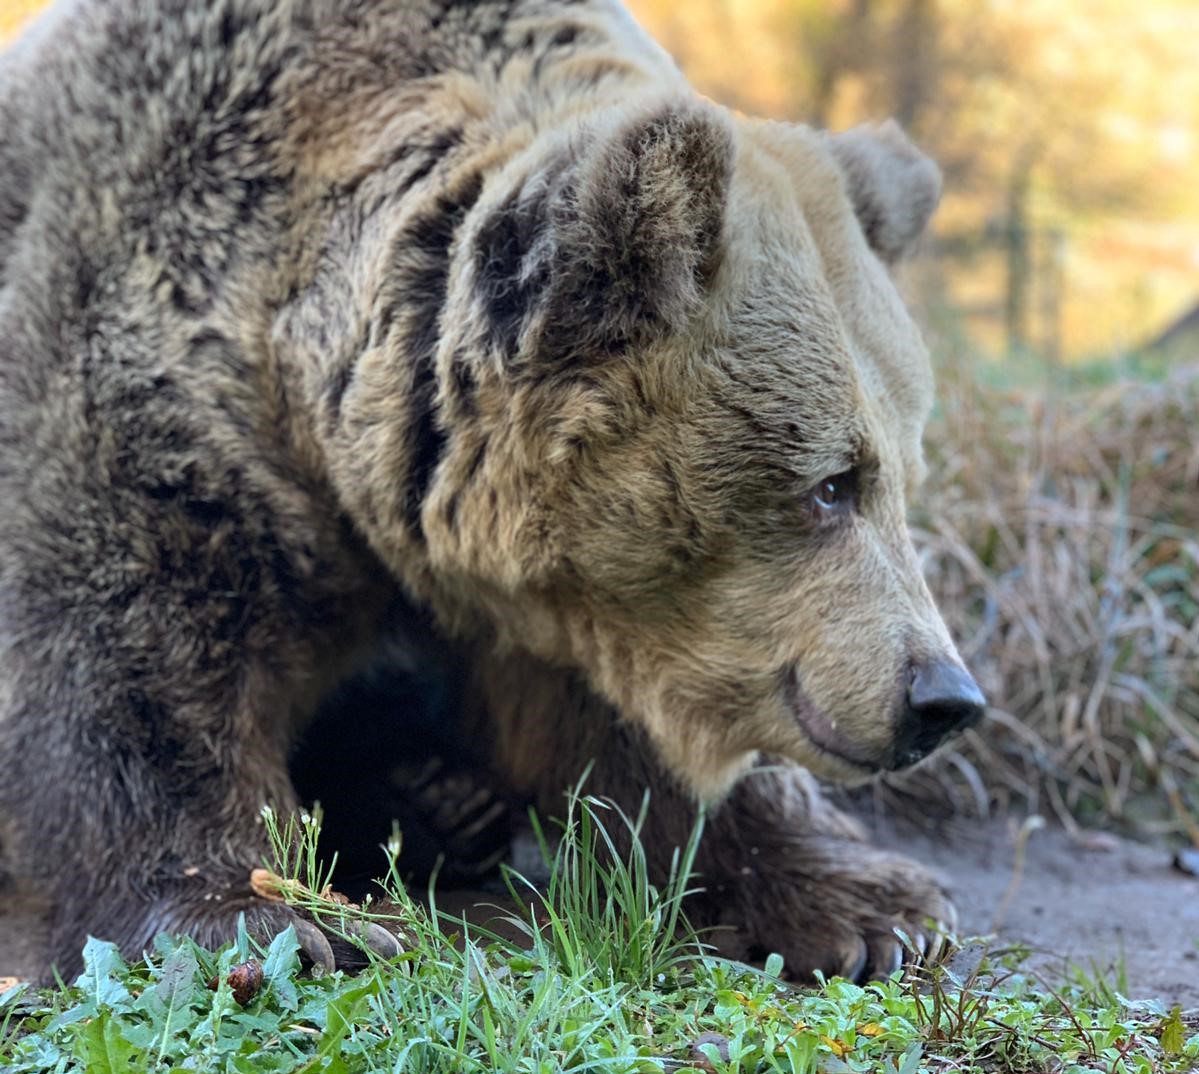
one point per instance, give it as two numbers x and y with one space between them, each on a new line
892 185
636 228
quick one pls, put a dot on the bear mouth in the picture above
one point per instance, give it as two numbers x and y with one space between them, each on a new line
821 730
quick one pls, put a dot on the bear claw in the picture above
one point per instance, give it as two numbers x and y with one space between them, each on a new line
879 956
315 949
841 925
383 943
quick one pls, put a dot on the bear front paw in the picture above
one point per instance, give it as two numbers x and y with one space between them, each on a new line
322 944
209 913
836 912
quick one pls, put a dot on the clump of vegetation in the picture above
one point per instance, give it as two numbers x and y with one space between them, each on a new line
1059 532
568 996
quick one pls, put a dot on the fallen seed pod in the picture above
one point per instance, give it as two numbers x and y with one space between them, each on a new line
245 979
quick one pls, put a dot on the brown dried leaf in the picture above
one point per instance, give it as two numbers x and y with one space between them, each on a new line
266 885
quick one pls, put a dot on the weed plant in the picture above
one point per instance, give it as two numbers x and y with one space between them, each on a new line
606 977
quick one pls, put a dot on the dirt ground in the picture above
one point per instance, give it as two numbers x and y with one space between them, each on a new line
1090 900
1087 901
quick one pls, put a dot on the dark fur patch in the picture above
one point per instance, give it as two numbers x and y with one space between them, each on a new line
428 440
335 392
870 219
464 386
508 281
420 288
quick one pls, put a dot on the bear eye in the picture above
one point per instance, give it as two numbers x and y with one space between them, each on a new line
837 493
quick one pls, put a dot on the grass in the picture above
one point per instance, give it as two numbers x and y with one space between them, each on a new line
606 977
1060 534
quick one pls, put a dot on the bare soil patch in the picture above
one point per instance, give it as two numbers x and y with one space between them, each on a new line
1091 900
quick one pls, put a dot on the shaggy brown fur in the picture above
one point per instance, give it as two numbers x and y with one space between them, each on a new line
314 308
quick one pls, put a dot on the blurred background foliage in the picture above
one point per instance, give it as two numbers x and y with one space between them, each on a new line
1068 131
1059 291
14 14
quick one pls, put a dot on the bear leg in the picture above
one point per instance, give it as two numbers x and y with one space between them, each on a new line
135 819
780 868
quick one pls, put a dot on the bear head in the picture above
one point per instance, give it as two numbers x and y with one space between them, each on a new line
695 414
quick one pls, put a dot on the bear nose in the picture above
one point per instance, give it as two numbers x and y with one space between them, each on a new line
942 697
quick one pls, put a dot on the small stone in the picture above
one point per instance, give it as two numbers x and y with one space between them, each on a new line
699 1060
1187 861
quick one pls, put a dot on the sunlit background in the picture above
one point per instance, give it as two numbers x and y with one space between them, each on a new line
1068 132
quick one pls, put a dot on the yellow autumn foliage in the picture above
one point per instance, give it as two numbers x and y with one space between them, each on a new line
1087 111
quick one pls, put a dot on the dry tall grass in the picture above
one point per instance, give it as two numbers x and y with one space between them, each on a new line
1061 536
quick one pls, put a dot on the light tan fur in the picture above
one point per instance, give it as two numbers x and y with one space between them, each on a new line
313 309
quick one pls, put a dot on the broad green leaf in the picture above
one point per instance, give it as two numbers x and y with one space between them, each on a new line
910 1063
1173 1032
102 969
341 1015
280 966
103 1049
174 986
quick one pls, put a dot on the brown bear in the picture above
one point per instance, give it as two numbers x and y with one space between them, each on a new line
317 314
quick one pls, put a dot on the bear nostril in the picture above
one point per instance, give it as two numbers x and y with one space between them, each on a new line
945 692
942 697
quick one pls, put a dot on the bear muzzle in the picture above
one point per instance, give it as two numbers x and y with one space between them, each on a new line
942 698
824 732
